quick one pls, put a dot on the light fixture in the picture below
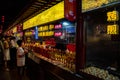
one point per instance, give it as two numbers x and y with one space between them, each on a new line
65 23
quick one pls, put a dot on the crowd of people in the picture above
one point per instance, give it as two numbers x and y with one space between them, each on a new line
12 54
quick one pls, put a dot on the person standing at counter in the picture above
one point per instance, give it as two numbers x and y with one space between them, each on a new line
1 52
21 58
6 52
13 50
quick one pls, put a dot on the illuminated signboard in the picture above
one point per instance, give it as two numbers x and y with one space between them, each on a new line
54 13
29 33
36 32
59 26
92 4
46 33
58 34
51 27
19 34
19 28
14 29
113 16
113 29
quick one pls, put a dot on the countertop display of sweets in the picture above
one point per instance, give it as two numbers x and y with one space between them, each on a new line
55 62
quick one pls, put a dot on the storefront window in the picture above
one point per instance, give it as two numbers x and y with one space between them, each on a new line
102 49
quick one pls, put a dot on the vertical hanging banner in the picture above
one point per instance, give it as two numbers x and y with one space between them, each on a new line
113 16
70 10
36 32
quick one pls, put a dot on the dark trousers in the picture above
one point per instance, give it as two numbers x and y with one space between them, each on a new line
21 72
13 52
1 59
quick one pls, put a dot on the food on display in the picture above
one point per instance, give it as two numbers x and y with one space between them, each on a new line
101 73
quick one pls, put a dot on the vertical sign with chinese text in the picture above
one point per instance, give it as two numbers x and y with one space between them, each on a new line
113 16
70 10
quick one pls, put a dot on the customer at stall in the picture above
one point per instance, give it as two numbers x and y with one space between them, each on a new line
21 58
13 50
6 52
1 51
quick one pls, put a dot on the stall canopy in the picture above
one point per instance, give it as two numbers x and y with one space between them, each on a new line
32 9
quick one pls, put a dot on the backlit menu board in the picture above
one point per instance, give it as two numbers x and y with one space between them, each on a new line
54 13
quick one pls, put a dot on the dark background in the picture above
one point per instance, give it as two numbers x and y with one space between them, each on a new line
10 9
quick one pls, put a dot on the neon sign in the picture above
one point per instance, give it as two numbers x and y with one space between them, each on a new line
113 29
59 26
58 34
113 16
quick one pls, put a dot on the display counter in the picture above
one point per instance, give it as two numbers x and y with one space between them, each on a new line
57 69
53 69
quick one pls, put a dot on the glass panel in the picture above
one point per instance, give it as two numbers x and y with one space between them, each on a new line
102 49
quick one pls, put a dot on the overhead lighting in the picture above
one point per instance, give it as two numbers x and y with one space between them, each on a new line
58 0
53 2
36 6
49 5
65 23
38 3
45 7
33 7
42 1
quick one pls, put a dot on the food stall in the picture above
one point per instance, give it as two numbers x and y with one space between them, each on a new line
82 48
51 41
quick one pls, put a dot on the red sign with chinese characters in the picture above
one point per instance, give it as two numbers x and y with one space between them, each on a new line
59 26
70 10
57 34
19 28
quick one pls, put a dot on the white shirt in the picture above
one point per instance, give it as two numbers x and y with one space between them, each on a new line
20 57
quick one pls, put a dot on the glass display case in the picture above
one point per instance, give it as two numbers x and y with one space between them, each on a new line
102 43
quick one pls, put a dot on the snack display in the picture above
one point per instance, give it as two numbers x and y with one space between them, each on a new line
101 73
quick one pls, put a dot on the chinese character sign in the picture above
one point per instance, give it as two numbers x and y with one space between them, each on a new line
113 29
70 10
113 16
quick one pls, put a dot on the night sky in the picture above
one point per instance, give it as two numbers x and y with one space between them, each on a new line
10 9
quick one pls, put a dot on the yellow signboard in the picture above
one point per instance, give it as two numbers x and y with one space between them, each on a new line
28 33
113 16
51 27
113 29
54 13
92 4
14 29
46 33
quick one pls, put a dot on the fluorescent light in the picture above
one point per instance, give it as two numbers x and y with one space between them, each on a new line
65 23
